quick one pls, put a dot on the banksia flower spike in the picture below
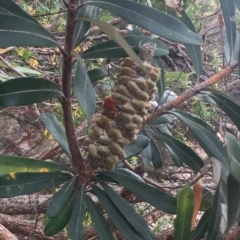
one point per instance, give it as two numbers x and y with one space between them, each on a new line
123 112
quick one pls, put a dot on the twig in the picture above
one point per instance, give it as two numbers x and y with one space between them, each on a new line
11 67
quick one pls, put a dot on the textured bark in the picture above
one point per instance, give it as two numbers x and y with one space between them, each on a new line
5 234
27 228
27 204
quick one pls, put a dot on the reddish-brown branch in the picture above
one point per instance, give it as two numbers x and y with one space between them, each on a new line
77 158
226 72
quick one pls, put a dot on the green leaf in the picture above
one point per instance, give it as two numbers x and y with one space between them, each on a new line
96 74
202 226
14 164
136 146
193 50
234 152
237 3
83 91
156 159
228 104
76 224
18 31
135 31
231 57
28 71
228 11
122 171
215 217
177 79
161 81
152 195
59 222
166 118
110 49
184 214
57 130
233 188
100 224
113 33
207 199
186 154
133 218
60 198
149 18
10 7
16 184
116 216
174 156
25 91
82 27
205 136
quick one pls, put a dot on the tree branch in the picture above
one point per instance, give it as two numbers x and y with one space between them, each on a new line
77 158
191 93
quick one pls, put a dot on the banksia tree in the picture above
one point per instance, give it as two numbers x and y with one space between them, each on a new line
123 112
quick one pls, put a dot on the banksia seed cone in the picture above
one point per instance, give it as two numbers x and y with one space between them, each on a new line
123 113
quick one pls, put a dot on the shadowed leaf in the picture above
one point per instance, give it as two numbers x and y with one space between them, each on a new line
14 164
18 31
25 91
57 131
16 184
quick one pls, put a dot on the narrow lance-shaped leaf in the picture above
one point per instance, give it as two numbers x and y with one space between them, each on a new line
96 74
156 159
233 188
110 49
237 2
134 219
117 37
184 214
100 224
10 7
60 198
149 18
82 27
76 224
186 154
25 91
16 184
202 226
228 104
136 146
231 57
59 222
152 195
116 216
57 131
122 171
193 50
161 81
215 217
228 11
205 136
14 164
18 31
233 148
83 90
